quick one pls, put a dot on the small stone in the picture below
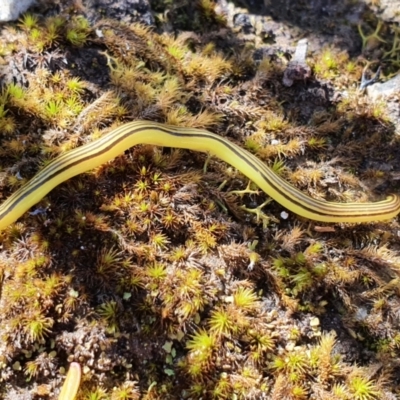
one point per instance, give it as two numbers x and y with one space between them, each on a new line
314 322
290 346
11 9
381 90
86 370
244 22
284 215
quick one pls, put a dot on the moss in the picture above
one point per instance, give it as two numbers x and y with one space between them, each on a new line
167 279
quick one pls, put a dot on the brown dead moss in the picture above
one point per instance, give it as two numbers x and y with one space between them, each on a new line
150 271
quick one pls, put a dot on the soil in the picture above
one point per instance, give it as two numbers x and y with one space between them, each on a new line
144 346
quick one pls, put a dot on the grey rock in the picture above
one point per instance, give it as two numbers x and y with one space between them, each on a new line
11 9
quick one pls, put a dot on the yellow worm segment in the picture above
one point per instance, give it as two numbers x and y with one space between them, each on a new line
93 154
71 383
